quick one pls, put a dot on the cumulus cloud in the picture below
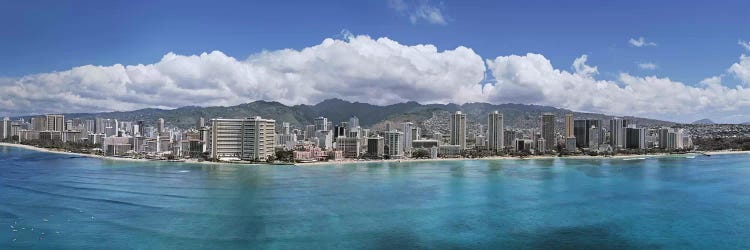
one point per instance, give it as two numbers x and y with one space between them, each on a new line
419 11
640 42
741 69
744 44
648 66
380 71
360 68
531 78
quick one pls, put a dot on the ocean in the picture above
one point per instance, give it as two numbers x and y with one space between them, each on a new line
68 202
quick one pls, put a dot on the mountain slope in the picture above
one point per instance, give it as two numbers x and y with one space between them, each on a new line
704 122
336 110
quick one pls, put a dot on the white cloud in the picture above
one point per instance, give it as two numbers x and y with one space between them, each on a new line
533 79
640 42
648 66
741 69
380 71
580 67
360 68
744 44
419 11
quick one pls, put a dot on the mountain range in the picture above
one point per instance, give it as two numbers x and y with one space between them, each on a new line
337 110
704 122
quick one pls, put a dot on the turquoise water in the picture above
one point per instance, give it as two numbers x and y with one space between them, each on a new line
61 201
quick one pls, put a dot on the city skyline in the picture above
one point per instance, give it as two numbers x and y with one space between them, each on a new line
628 73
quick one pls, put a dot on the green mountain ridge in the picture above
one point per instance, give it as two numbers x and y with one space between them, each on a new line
337 110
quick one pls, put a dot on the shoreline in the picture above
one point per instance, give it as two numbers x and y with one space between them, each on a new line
354 161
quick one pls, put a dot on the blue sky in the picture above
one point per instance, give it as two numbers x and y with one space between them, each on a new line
693 41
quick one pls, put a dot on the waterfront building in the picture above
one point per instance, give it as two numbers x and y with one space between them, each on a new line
636 138
570 144
458 129
450 151
407 129
569 132
523 145
509 137
95 138
50 135
663 134
39 123
594 138
393 140
376 146
349 146
250 139
72 136
55 122
548 132
541 145
425 144
496 139
5 129
480 141
117 145
324 139
617 132
582 132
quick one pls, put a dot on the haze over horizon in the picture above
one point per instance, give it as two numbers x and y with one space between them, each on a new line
662 65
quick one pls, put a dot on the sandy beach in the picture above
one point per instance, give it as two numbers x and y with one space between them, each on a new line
354 161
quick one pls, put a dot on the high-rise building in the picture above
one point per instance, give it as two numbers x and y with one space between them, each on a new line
495 131
286 128
160 126
458 129
99 126
617 136
39 123
321 123
393 141
349 146
595 138
509 137
141 127
55 122
407 128
250 139
309 132
5 129
376 146
569 132
201 123
636 138
353 122
581 131
548 132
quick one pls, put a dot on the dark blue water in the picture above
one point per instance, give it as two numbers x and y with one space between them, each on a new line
59 201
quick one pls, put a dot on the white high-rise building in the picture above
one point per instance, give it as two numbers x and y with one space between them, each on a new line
393 140
250 139
406 128
495 136
5 126
160 125
458 129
